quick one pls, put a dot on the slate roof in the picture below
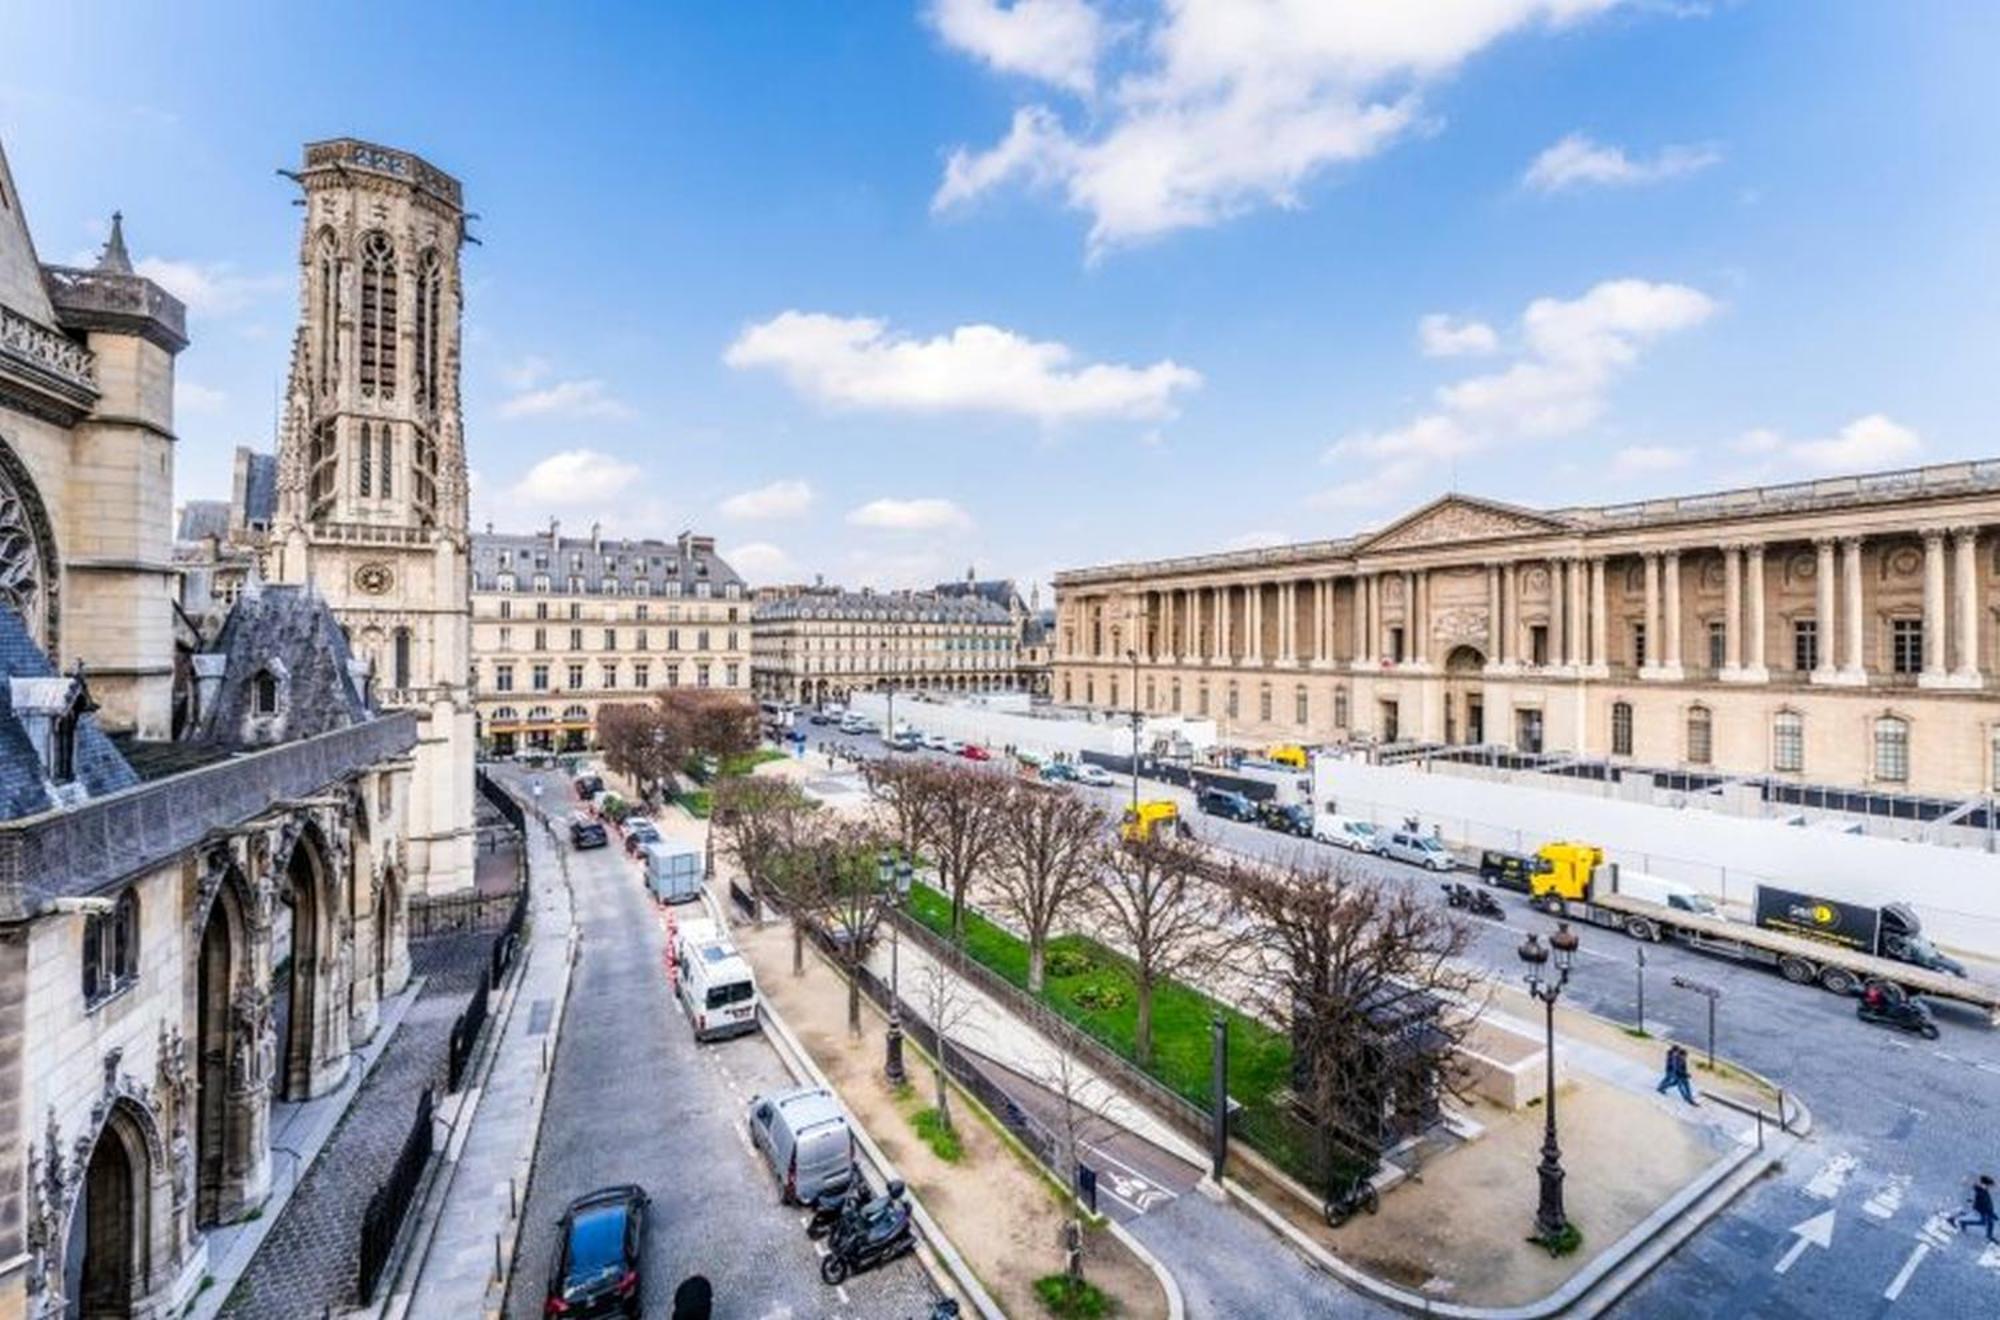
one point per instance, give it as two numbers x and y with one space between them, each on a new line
293 626
903 606
24 790
1038 628
201 519
687 560
998 590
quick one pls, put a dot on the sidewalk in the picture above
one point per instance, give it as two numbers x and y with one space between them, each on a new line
490 1153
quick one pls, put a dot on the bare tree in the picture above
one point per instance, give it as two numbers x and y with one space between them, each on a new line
946 1005
830 872
641 742
711 722
755 819
1081 1117
1370 981
961 825
905 789
1146 895
1049 851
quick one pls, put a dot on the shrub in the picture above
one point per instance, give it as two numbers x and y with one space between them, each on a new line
1069 962
943 1141
1102 995
1071 1299
1563 1243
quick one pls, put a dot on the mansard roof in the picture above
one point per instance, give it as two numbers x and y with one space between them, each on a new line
24 786
886 606
687 560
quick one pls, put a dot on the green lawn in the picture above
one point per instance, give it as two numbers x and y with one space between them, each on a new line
1097 993
697 801
744 762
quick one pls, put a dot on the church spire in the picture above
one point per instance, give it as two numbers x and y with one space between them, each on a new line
115 259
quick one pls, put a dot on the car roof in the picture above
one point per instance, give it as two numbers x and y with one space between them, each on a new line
808 1107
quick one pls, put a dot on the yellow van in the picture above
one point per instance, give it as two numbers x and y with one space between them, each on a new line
1290 754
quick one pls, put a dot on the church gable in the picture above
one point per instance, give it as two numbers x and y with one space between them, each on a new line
1455 518
20 273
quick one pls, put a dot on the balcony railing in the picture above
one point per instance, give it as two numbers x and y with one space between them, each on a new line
88 848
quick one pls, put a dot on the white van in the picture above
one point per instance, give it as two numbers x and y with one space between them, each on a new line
716 987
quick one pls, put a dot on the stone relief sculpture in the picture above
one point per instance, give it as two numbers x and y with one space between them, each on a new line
253 1049
48 1188
1464 624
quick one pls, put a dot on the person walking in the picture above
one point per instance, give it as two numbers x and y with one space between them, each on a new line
1982 1208
1676 1077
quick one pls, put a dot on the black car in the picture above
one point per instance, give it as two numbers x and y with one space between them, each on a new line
639 833
588 786
599 1242
587 834
1510 870
819 717
1294 819
1226 803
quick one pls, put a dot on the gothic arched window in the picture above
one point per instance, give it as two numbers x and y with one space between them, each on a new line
402 658
388 442
430 297
326 270
378 316
365 449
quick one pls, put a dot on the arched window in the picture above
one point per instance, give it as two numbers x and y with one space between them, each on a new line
1788 741
326 270
430 294
111 949
1300 706
264 692
1701 736
365 459
378 316
1892 749
386 437
1621 728
402 658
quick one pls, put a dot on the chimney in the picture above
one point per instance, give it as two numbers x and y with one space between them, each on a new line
596 539
555 535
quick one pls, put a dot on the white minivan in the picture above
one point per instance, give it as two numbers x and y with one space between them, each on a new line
1419 850
1348 832
716 988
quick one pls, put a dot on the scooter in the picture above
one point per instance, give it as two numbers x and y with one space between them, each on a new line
873 1235
829 1208
1477 901
1902 1012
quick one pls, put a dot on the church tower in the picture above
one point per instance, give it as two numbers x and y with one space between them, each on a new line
371 463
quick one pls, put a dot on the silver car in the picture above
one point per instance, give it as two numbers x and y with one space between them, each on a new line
1419 850
804 1136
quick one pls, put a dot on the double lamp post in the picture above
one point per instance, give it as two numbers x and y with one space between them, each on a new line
1551 1224
894 873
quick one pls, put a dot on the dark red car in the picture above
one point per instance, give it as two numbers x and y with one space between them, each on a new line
974 752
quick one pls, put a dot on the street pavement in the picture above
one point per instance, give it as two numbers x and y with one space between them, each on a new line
1900 1124
634 1099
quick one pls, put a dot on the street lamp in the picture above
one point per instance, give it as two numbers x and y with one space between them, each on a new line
895 873
1133 656
1550 1222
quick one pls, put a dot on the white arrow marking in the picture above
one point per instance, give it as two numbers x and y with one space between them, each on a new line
1831 1177
1895 1288
1989 1259
1814 1232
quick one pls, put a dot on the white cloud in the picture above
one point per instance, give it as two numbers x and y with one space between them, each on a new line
191 396
1052 41
209 288
780 499
1761 440
1641 460
1442 335
566 398
525 374
1234 105
919 515
759 561
1577 161
1874 441
858 362
573 478
1431 436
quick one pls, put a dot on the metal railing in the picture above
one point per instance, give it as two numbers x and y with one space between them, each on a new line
87 848
464 1035
383 1219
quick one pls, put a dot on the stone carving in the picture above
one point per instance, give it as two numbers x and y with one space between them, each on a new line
1459 520
26 583
1536 579
1712 575
1906 561
49 1185
253 1049
27 339
1465 624
1802 568
175 1093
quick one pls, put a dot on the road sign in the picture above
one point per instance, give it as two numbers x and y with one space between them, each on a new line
1814 1232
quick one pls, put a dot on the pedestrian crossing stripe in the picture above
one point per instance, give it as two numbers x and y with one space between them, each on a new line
1826 1183
1937 1230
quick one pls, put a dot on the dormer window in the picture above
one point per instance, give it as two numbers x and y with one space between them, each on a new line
62 745
264 693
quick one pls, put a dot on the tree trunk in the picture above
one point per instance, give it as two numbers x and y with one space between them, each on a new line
943 1096
1037 956
1142 1039
798 948
853 1001
957 910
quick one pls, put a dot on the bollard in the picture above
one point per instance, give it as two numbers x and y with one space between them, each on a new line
499 1268
1760 1127
513 1202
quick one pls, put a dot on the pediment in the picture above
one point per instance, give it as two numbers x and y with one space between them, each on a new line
1455 518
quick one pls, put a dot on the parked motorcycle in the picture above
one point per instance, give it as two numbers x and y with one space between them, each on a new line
829 1208
1476 901
1903 1012
874 1234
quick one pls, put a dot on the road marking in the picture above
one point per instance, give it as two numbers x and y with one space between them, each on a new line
1831 1177
1937 1231
1814 1232
1888 1198
1989 1259
1895 1288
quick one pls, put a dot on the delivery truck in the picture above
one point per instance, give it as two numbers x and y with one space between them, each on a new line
1842 947
672 870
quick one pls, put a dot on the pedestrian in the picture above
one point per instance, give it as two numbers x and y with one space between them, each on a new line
1982 1208
1676 1075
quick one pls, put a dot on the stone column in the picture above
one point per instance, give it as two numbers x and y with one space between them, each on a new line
1371 618
1510 610
1322 598
1225 624
1856 669
1254 621
1934 616
1671 666
1578 637
1600 622
1288 621
1754 669
1416 617
1493 592
1358 624
1651 668
1732 611
1965 542
1558 634
1823 610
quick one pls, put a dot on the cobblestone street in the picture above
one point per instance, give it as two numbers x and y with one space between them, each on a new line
310 1259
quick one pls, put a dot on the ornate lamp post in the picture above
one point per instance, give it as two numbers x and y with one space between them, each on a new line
1550 1221
894 874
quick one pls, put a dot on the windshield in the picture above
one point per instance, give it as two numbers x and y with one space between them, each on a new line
736 992
596 1244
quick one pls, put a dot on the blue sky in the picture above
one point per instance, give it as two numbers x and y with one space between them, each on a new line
880 290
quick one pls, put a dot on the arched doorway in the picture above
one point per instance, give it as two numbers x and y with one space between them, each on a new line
1465 695
218 1124
108 1255
300 1008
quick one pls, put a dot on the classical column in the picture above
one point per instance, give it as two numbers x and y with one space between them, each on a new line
1600 624
1510 610
1254 621
1732 611
1965 541
1493 592
1651 668
1754 669
1371 630
1856 668
1227 625
1823 610
1322 598
1576 635
1416 617
1288 621
1934 620
1671 667
1557 633
1358 623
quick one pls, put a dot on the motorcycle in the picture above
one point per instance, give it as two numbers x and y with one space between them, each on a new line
1476 901
829 1208
874 1234
1360 1194
1899 1011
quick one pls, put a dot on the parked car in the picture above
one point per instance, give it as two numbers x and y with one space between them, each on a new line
1226 803
600 1245
1419 850
587 833
1347 832
937 742
905 741
1295 818
1094 775
820 718
1059 772
974 752
804 1137
588 787
715 985
638 833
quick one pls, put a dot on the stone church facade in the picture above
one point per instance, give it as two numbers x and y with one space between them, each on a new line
200 915
1837 632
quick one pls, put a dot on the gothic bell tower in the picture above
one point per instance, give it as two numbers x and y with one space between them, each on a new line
371 463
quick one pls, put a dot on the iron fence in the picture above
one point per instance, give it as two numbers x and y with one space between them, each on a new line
383 1219
508 942
465 1035
457 913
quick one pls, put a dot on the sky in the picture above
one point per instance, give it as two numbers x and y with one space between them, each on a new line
882 291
